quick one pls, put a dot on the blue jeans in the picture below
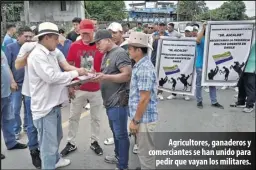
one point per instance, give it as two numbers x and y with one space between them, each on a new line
118 117
31 129
50 134
16 99
212 89
8 122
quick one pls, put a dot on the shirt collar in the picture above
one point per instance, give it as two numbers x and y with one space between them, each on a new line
141 61
45 50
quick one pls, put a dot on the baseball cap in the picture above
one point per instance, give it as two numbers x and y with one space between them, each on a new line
195 28
86 26
189 28
114 26
100 35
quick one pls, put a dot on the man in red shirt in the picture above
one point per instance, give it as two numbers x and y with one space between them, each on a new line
82 55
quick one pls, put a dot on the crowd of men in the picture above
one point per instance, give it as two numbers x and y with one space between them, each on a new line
119 62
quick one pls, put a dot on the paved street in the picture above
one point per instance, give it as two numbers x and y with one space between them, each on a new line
177 115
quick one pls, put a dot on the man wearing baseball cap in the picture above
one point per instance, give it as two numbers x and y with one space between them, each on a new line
156 36
117 33
114 78
188 31
195 30
88 57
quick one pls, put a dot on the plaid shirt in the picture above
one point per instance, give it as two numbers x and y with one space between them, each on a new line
144 78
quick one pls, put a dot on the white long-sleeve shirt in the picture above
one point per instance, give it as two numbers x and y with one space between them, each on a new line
47 83
28 47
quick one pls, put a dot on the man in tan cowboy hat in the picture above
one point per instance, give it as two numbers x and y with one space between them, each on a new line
143 98
46 79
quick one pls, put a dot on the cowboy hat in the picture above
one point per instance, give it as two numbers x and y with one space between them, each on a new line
139 39
47 28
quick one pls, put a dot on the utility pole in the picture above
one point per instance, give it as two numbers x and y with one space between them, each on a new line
26 12
177 11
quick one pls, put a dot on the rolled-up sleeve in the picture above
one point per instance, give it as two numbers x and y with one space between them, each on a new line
47 73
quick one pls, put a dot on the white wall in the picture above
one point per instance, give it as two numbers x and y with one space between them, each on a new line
41 11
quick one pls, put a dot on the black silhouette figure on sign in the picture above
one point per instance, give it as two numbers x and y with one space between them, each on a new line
226 72
213 73
173 82
163 81
237 67
161 84
184 80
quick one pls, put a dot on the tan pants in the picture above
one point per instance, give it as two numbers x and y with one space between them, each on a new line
76 108
145 142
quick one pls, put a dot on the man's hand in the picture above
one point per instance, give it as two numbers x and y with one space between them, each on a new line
14 86
134 128
204 25
99 77
82 71
71 92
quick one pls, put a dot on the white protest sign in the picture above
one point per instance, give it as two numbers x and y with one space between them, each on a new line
176 65
227 47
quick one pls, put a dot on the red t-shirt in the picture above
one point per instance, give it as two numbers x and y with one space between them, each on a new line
86 56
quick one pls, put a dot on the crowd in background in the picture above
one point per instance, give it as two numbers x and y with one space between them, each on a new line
43 60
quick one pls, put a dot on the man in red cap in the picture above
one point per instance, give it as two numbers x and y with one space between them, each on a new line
82 55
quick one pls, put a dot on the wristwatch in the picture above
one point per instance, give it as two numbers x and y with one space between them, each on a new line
136 122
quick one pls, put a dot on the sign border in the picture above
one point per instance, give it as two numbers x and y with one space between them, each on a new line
204 81
158 58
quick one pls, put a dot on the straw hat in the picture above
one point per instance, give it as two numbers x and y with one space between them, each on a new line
47 28
139 39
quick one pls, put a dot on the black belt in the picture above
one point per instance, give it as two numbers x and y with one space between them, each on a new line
58 105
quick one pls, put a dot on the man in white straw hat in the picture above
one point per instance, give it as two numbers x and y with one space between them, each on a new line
47 86
143 98
21 62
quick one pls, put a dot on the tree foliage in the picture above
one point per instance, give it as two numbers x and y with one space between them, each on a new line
188 9
106 10
230 10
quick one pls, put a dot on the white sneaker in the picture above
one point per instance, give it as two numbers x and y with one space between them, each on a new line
87 107
248 110
62 163
171 97
135 149
207 90
236 89
224 87
109 141
187 98
160 96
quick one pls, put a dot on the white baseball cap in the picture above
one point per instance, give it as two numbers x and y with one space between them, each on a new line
195 28
189 28
114 26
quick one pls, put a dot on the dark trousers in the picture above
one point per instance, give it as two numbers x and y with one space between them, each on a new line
246 86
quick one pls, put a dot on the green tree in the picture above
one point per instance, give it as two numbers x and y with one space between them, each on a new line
230 10
188 9
106 10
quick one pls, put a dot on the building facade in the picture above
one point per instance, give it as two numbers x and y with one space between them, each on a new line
152 12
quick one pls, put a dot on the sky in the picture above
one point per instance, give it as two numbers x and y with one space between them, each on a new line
250 5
